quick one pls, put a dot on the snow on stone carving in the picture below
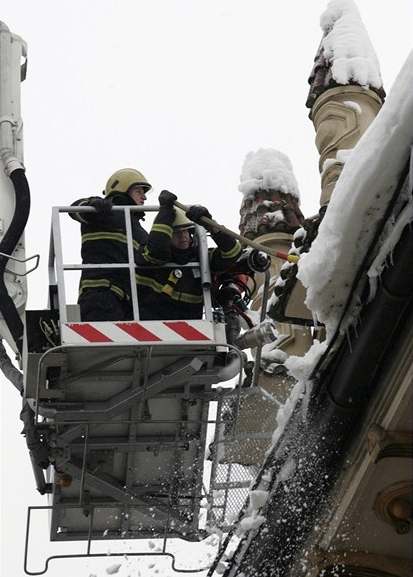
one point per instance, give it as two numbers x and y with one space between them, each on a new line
271 195
268 169
347 46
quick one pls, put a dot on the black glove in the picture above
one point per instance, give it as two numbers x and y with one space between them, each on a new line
167 198
196 212
102 205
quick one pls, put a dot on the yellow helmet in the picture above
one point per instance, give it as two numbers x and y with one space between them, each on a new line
123 179
181 221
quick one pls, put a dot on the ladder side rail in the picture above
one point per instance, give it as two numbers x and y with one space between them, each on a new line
205 271
131 264
52 273
58 261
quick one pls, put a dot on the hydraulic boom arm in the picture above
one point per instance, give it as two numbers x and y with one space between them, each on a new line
14 192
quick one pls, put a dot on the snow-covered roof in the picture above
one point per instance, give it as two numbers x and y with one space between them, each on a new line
347 45
268 169
361 195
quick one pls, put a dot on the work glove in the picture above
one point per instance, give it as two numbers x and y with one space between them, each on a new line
167 198
196 212
102 205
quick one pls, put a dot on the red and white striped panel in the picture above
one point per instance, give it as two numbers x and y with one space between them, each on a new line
145 332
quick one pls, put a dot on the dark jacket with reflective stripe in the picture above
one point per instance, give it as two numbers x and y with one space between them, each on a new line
176 293
104 241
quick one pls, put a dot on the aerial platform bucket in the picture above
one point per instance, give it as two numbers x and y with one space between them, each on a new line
125 409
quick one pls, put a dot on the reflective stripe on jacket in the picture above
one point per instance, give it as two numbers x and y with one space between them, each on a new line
104 241
176 293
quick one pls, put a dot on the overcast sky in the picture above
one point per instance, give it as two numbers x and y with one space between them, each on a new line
179 89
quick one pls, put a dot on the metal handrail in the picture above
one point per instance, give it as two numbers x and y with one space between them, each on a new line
88 554
22 261
57 267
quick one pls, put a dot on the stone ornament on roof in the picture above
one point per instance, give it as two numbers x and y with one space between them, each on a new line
345 55
321 79
281 307
271 196
269 211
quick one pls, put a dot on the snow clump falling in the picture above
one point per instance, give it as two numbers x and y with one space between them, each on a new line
267 169
347 45
112 569
300 368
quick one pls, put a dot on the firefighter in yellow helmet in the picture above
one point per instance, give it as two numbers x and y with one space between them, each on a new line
104 294
176 293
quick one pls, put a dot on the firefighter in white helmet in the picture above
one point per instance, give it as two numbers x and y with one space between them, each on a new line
105 294
176 293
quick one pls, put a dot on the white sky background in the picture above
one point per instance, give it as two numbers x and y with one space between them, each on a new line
181 90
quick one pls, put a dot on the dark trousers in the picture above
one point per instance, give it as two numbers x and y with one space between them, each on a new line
102 304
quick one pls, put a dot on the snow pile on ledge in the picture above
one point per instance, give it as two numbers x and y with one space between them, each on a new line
360 198
347 45
267 169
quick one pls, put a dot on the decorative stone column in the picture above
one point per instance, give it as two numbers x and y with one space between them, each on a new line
269 215
345 93
340 116
295 340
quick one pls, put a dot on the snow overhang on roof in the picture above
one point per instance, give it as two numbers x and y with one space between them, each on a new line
358 204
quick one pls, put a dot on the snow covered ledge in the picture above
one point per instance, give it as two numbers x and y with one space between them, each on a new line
359 201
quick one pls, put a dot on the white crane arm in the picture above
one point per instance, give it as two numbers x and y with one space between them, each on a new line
12 72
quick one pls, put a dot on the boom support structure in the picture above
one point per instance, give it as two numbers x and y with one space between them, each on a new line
12 253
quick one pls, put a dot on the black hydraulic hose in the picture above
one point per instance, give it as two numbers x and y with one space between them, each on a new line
38 451
7 246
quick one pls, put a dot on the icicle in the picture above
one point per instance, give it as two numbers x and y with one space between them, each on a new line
349 339
308 387
386 250
373 282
